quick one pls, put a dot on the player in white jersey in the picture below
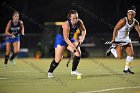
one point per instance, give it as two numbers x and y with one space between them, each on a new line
121 34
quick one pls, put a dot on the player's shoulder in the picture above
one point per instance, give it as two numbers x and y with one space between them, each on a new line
123 20
136 22
9 22
21 22
65 24
80 20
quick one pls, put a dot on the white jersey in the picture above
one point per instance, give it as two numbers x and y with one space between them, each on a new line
123 33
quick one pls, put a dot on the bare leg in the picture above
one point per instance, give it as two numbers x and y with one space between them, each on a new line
119 52
16 46
76 59
56 61
8 50
129 58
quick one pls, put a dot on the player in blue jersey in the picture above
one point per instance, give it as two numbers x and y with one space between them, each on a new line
65 38
13 30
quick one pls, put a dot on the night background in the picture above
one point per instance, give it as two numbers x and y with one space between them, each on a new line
42 21
99 17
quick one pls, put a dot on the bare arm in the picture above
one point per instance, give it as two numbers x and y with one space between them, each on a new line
66 31
119 25
7 30
83 29
22 28
137 27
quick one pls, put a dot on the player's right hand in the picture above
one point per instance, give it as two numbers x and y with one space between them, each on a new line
112 41
13 36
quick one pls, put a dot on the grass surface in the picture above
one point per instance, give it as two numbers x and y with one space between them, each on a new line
100 75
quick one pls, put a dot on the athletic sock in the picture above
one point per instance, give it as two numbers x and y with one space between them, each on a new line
113 51
6 59
13 56
53 65
127 66
129 60
75 63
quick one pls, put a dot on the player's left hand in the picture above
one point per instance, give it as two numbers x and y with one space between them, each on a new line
22 34
81 39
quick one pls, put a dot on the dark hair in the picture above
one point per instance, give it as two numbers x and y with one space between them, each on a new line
71 12
132 8
15 12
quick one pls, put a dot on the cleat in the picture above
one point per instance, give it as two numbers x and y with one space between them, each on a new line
50 75
13 62
5 65
128 72
75 73
108 52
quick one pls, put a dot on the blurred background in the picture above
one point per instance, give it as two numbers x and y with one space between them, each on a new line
43 18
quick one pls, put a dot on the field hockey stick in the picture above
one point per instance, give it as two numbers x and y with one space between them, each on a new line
118 42
72 54
5 35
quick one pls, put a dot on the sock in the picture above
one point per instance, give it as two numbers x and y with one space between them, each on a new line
6 59
129 59
127 65
53 65
113 51
13 56
75 63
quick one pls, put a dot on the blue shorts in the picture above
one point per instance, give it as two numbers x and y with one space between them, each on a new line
59 40
12 40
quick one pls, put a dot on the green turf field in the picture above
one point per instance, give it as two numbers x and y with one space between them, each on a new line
100 75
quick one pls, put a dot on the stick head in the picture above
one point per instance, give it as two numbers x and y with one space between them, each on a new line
67 64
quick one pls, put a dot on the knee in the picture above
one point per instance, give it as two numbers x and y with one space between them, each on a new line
78 53
129 58
8 52
17 51
58 60
119 57
133 54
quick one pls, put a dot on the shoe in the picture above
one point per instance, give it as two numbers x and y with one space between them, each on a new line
5 65
75 73
128 72
12 62
50 75
108 52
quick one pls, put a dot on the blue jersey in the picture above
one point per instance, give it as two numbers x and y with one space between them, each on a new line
72 29
15 30
59 40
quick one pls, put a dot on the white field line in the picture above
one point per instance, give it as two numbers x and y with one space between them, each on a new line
111 89
18 71
3 78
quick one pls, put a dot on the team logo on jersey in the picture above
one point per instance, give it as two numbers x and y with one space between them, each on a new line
15 28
